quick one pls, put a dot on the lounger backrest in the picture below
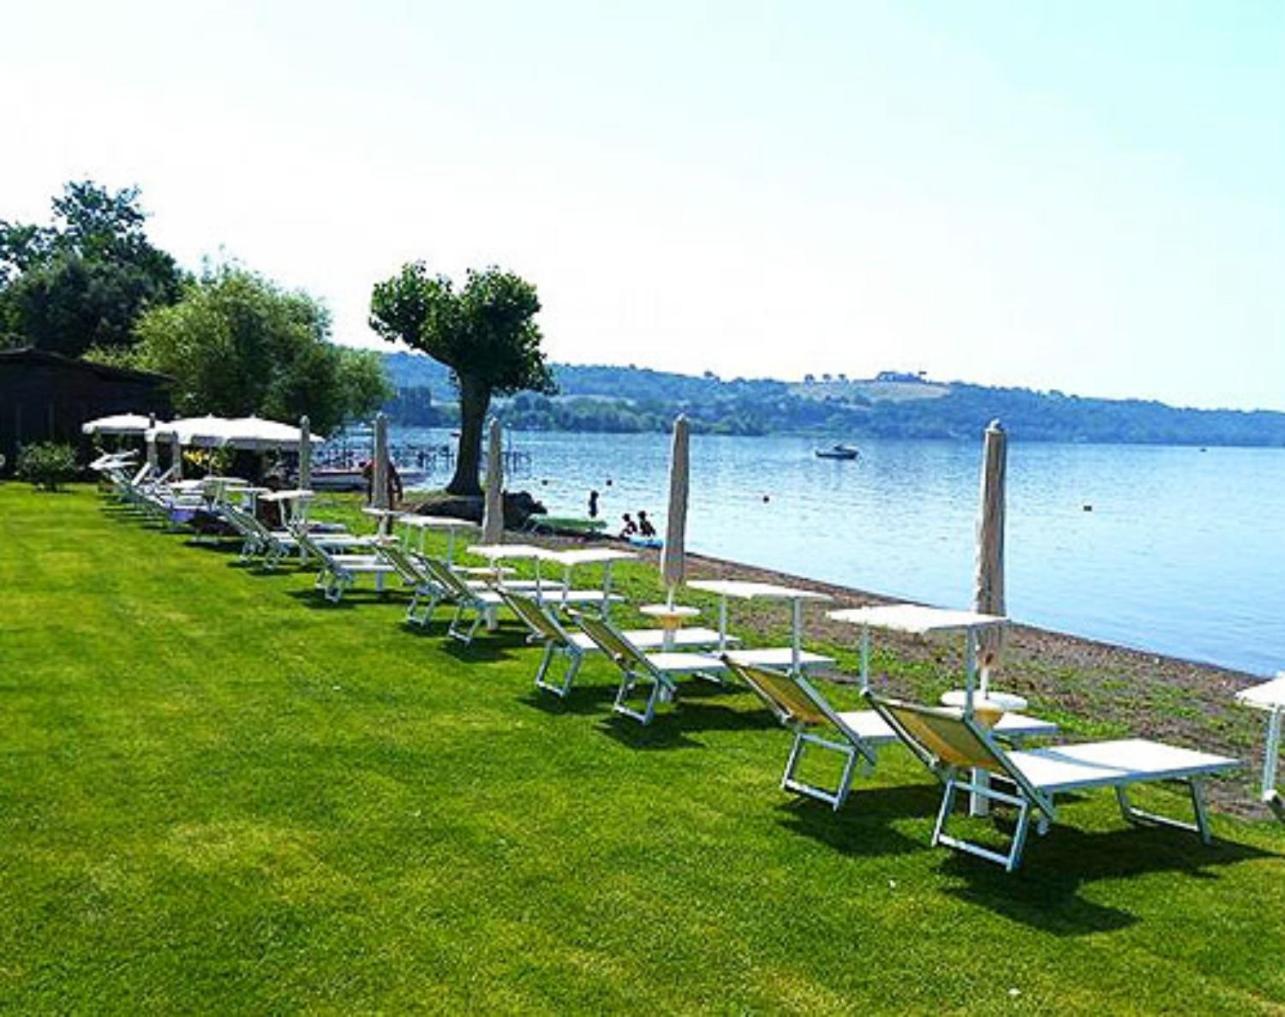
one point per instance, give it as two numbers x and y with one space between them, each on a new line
612 643
406 567
534 616
310 546
782 693
943 735
441 574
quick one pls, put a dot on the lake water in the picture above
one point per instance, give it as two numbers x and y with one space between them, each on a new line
1183 552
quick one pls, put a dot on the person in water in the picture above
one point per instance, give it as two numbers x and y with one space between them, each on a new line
644 525
630 529
593 504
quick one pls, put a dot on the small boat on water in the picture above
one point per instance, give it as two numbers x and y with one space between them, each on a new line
838 452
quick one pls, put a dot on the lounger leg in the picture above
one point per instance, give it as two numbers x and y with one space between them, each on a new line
628 683
835 798
1010 859
546 659
1136 816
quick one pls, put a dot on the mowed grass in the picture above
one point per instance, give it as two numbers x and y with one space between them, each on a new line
217 795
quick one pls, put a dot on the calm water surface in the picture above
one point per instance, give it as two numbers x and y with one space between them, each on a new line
1183 552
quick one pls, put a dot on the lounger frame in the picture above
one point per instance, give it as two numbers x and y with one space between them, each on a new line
1034 803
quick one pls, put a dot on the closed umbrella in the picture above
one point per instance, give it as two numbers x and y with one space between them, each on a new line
493 506
379 471
673 562
988 588
305 452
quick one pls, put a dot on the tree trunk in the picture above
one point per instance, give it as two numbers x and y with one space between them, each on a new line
475 400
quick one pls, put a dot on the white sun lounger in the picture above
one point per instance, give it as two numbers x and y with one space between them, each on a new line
778 657
338 572
949 743
656 670
276 545
479 601
572 647
856 735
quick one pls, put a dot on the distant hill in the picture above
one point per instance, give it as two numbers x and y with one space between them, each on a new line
616 399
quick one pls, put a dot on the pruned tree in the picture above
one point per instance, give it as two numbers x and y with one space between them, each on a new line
485 333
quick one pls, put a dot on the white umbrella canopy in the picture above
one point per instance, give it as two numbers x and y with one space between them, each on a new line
673 558
119 423
493 506
257 434
988 587
252 434
207 432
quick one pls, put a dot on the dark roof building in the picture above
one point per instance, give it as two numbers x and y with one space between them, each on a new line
46 397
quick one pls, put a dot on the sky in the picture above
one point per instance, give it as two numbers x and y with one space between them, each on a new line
1083 196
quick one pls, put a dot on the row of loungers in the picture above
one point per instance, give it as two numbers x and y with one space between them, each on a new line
956 746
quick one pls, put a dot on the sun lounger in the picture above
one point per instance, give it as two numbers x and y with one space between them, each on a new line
656 670
426 592
572 647
276 545
337 572
470 599
780 657
949 743
856 735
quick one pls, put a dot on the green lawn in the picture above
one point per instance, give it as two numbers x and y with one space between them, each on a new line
218 795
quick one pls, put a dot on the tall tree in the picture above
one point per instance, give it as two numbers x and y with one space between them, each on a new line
485 333
236 344
84 280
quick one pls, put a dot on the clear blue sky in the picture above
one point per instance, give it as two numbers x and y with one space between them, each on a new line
1084 196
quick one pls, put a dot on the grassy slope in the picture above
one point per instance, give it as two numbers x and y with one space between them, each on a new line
215 794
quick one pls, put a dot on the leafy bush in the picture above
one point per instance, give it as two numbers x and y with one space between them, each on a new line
47 465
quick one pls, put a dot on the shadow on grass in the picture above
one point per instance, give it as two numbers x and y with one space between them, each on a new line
582 699
481 651
675 723
861 827
311 597
1045 892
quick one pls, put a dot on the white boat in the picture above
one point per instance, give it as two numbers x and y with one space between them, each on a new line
838 452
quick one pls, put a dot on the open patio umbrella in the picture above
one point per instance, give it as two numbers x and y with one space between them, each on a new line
493 506
131 424
988 587
379 469
204 432
673 560
257 434
305 452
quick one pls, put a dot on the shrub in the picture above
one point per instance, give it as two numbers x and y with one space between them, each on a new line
47 465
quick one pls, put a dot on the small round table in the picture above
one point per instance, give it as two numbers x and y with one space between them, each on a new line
671 618
989 706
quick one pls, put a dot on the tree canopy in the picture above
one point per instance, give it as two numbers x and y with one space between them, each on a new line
83 280
237 344
485 333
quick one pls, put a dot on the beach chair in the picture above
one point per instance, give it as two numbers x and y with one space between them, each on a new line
479 601
274 546
572 647
856 735
655 670
426 592
337 572
951 743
